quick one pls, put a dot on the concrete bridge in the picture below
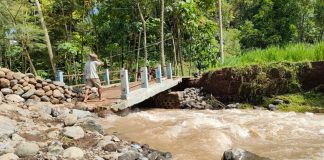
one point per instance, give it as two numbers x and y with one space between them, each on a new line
126 94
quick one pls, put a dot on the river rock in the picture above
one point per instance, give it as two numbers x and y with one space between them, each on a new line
38 85
38 79
240 154
60 89
58 83
57 94
74 132
13 82
90 124
9 75
70 120
19 91
14 98
6 91
4 83
45 99
32 81
52 86
29 93
30 75
26 88
46 88
73 153
40 92
110 147
18 76
9 156
25 84
272 107
2 74
129 155
81 114
42 107
49 93
5 70
21 81
27 149
55 101
7 127
55 148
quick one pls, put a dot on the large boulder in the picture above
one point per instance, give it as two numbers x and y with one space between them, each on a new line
240 154
90 124
42 107
4 83
74 132
14 98
6 91
25 149
29 93
81 114
73 153
7 127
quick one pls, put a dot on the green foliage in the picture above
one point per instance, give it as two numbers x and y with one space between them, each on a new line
290 53
300 102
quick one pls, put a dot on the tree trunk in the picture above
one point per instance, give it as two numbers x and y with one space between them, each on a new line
144 33
175 65
162 38
137 56
32 67
221 31
47 39
180 47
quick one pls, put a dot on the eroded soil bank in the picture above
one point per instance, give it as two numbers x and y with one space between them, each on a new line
284 84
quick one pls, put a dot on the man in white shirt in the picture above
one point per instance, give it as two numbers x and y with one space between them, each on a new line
91 76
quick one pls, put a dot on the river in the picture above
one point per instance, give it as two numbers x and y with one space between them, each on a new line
206 134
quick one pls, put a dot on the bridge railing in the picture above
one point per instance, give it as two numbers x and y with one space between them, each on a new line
145 75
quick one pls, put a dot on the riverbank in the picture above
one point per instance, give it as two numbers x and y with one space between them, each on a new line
41 130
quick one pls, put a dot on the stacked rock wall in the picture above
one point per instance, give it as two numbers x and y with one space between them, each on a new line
19 87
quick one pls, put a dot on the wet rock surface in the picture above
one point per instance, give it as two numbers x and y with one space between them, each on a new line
240 154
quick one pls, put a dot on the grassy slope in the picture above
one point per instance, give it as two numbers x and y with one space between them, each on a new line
300 102
290 53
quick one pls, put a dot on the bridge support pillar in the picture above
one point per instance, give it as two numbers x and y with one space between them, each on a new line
158 74
124 84
106 77
144 77
169 71
59 76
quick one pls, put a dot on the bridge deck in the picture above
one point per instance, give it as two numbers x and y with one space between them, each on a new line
112 95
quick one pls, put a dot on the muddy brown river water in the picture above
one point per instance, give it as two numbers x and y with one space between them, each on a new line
205 135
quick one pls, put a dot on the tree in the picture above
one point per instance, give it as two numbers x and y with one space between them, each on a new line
220 25
144 33
162 38
47 39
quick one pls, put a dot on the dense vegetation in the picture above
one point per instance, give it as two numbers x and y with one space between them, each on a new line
291 53
125 32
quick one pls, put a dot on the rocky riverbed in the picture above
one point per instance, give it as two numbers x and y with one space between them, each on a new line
41 130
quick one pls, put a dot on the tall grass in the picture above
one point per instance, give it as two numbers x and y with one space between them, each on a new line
291 53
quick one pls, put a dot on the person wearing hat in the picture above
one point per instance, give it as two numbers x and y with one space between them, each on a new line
91 76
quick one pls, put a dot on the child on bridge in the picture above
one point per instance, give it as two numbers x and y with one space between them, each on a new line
91 76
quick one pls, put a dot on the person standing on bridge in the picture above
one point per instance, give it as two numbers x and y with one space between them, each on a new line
91 76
